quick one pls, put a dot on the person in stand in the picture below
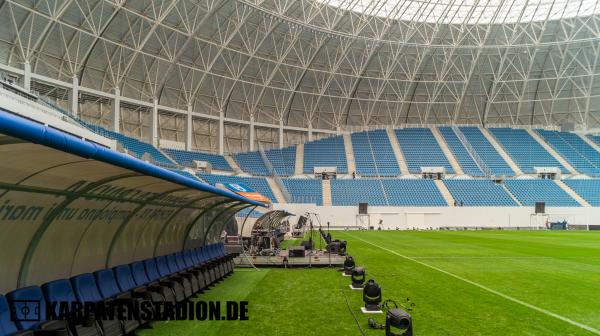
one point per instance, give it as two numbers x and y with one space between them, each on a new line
353 175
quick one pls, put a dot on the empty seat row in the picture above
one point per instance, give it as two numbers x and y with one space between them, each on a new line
172 278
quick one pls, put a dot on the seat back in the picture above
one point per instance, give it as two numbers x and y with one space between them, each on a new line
124 278
194 256
7 326
187 258
59 291
172 263
107 284
139 273
163 268
24 297
179 260
85 288
151 269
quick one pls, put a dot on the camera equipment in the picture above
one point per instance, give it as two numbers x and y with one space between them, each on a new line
358 278
349 265
372 296
374 325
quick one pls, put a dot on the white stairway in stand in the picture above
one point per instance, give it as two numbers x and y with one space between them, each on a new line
445 192
449 155
501 151
572 193
326 192
349 153
299 167
397 152
551 150
276 191
236 168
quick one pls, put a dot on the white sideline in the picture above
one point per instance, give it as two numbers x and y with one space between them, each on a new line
510 298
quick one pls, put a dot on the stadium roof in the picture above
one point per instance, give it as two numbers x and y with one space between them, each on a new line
327 63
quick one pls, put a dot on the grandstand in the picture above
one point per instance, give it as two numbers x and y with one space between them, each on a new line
187 158
575 150
486 151
530 191
373 154
172 154
525 150
421 149
479 193
327 152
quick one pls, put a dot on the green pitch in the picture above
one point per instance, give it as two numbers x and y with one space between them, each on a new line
463 283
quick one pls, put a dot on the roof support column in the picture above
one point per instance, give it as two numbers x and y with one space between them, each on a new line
310 132
116 117
27 76
251 133
74 97
154 124
281 133
188 129
221 132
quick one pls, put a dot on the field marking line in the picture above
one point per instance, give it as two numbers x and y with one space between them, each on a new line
493 291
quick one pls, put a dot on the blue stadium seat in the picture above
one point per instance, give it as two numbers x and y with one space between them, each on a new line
187 158
7 325
346 192
304 190
16 300
581 156
530 191
127 283
524 149
134 146
283 160
61 291
486 151
327 152
373 154
252 163
109 289
421 149
479 193
154 275
588 189
462 155
86 290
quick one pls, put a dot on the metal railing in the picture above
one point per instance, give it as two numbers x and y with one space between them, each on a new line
478 160
273 173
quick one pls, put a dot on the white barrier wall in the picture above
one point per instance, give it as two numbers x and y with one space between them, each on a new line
435 217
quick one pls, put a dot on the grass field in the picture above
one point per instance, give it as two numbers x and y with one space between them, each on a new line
463 283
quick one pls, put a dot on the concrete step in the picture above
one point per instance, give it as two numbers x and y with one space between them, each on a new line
349 153
236 168
572 193
276 191
299 165
167 156
326 185
511 194
501 151
551 150
445 192
397 151
449 155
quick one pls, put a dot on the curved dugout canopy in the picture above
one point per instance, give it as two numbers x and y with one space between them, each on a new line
68 206
270 220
